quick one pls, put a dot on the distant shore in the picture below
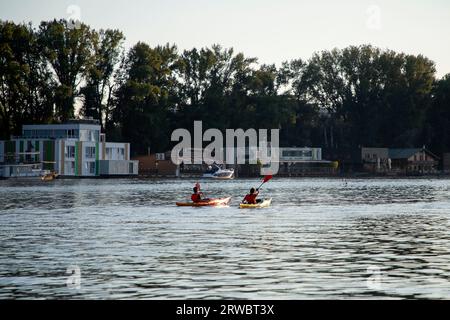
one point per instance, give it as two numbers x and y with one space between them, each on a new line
198 177
337 177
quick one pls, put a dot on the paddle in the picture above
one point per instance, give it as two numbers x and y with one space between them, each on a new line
266 179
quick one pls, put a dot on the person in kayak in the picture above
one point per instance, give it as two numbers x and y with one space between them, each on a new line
197 196
251 197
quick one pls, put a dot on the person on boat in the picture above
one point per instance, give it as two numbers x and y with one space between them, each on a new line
197 196
251 197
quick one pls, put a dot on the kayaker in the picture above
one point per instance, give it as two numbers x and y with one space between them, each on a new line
197 196
251 197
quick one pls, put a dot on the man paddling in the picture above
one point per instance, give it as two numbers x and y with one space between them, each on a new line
251 197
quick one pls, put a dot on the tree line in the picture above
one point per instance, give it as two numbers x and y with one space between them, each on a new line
339 99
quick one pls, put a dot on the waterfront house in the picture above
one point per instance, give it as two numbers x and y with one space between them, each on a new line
376 160
305 161
160 164
414 160
156 164
399 160
74 149
296 161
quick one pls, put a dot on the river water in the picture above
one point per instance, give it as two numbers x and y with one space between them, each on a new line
322 238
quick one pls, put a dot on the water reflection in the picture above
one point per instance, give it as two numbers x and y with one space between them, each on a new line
320 239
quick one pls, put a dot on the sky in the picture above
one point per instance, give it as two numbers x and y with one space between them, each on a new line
273 31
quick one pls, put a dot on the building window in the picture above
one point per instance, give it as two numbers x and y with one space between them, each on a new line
299 154
69 167
90 152
130 168
30 149
70 152
90 167
59 133
108 153
122 153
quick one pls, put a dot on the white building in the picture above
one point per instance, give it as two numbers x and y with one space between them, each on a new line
305 161
301 154
74 149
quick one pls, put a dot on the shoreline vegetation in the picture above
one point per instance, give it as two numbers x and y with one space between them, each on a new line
337 99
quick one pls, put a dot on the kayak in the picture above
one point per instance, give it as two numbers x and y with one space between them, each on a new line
210 203
49 177
264 204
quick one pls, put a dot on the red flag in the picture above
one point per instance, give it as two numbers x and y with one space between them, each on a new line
267 178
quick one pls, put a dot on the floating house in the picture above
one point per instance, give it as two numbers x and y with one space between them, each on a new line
305 161
158 164
74 149
406 161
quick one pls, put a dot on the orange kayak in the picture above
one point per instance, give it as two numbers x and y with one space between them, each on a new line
210 203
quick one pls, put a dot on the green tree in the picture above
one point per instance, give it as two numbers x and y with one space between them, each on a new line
368 96
26 94
69 50
144 106
100 85
438 117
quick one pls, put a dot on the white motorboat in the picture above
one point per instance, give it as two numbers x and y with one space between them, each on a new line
215 172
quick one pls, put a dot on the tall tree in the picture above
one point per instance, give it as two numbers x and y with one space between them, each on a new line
143 100
69 50
369 97
99 88
26 94
438 117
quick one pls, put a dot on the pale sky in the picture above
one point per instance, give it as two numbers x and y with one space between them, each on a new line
271 30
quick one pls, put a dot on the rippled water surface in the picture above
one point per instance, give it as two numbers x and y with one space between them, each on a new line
320 239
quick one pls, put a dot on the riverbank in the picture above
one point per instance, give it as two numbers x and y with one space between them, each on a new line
346 175
359 176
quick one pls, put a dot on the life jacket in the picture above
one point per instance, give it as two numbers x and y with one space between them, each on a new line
196 197
251 198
